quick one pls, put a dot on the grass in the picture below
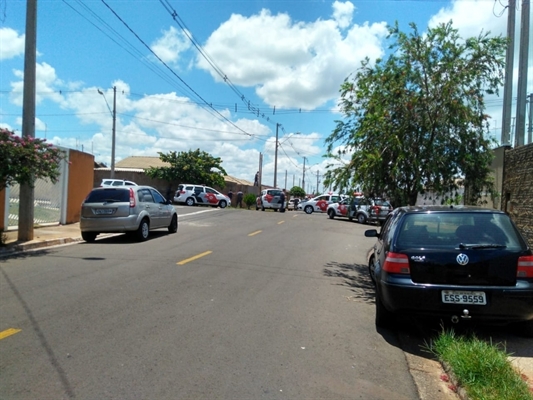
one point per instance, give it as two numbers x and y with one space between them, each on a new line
481 368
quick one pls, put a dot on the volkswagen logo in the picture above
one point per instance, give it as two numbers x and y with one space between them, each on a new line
462 259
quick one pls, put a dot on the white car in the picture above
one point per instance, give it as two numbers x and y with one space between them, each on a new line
193 195
270 198
320 203
116 182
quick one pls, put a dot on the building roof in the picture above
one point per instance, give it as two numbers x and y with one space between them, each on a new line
141 163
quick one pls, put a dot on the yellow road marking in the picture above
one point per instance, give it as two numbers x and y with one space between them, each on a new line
194 258
254 233
280 222
8 332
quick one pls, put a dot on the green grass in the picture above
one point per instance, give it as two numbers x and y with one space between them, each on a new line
481 368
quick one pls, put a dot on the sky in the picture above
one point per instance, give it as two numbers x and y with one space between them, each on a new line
222 76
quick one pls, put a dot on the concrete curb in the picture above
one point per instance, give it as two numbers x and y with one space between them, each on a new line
21 247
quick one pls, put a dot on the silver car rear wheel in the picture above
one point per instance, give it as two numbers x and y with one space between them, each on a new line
143 230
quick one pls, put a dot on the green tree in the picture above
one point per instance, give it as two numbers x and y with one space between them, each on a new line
249 199
23 160
194 166
416 122
297 191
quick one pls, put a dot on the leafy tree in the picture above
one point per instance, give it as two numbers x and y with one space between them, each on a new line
194 166
23 160
297 191
416 122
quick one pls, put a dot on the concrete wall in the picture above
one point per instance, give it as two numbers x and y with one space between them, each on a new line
79 184
517 192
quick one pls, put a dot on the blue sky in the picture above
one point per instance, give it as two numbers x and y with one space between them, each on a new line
285 58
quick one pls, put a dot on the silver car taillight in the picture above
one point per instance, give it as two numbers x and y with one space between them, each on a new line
132 198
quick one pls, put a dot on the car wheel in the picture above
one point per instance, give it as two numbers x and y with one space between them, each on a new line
372 270
222 204
173 227
308 209
384 318
143 230
331 213
361 218
189 201
262 207
89 237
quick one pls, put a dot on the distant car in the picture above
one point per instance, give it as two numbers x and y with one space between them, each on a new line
193 195
116 182
269 198
460 263
320 203
372 210
134 210
345 208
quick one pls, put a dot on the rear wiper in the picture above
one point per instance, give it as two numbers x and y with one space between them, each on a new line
110 201
482 246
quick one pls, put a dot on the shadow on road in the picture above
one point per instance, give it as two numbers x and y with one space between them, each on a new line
355 277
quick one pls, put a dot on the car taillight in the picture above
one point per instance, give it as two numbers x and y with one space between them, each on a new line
132 198
525 267
182 191
396 263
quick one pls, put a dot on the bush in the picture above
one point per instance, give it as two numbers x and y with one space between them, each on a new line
249 199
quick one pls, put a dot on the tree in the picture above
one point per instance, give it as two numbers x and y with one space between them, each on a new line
249 199
194 166
23 160
416 122
297 191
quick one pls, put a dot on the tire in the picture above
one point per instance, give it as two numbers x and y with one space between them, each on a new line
371 270
308 209
262 207
173 227
331 213
361 218
384 318
89 237
143 230
222 204
189 201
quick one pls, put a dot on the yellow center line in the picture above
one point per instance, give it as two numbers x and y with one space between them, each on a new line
8 332
254 233
280 222
194 258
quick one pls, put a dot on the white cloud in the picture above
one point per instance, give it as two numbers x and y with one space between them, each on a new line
12 43
292 64
343 13
47 85
170 46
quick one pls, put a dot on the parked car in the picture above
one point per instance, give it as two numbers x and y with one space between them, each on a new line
459 263
116 182
134 210
269 198
320 203
372 210
345 208
193 195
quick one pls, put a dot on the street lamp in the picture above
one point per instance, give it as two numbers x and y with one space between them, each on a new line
114 114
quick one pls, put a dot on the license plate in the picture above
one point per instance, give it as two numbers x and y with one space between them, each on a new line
103 211
458 297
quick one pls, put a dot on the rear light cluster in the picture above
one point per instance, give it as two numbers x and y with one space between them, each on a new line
396 263
132 198
525 267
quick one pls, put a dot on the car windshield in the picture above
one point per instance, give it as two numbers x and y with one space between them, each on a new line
476 230
382 203
108 195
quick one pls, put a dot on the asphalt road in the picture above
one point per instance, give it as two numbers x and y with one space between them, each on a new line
237 305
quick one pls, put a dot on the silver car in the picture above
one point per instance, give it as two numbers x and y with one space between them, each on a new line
133 210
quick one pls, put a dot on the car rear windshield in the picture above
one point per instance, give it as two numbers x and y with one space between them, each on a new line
111 194
452 229
274 192
382 203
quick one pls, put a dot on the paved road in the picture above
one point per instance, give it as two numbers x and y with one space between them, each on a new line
237 304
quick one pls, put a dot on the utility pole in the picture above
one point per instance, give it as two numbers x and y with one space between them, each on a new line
508 84
27 193
260 171
303 178
285 187
276 160
530 127
318 191
522 76
114 132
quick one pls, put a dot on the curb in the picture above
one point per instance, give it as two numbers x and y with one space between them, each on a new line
21 247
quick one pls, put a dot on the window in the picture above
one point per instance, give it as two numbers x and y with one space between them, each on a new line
158 197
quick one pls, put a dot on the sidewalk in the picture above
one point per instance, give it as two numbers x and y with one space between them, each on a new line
43 236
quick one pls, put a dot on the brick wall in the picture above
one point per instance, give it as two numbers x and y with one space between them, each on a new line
517 191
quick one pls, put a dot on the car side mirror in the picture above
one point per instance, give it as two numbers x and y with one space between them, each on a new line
371 233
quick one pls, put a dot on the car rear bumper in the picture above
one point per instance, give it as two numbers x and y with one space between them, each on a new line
503 303
109 225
